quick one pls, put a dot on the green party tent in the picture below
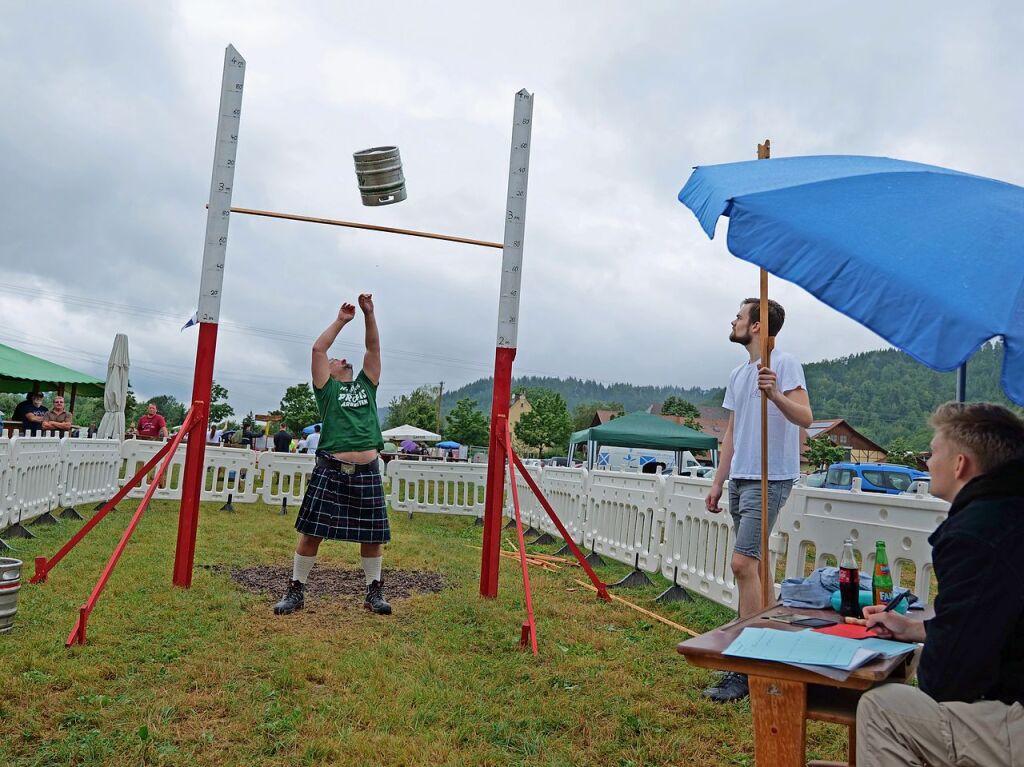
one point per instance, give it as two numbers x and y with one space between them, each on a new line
645 430
21 372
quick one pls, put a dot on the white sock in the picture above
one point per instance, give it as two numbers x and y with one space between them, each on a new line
301 567
372 568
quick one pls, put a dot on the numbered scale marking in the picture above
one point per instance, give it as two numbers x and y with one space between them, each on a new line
219 214
515 221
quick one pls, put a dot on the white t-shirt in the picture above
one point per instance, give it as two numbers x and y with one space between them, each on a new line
312 442
744 398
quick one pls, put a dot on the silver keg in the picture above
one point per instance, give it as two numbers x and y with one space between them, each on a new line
379 173
10 585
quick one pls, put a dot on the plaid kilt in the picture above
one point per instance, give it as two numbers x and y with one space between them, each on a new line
344 507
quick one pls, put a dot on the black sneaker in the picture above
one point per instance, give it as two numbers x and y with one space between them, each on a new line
375 599
732 686
293 600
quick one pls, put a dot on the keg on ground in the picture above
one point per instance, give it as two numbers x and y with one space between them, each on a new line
379 173
10 585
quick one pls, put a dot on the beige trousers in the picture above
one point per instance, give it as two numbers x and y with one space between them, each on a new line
899 725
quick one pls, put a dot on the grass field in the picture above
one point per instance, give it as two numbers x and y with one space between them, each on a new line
209 676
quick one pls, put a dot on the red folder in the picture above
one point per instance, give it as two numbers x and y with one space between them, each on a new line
848 630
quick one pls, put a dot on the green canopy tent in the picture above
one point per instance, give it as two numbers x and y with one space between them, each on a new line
21 372
642 430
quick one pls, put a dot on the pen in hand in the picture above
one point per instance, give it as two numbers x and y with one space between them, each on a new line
895 601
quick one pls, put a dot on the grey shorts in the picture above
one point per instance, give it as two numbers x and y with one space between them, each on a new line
745 507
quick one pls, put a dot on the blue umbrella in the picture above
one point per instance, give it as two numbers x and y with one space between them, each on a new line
449 445
930 259
311 428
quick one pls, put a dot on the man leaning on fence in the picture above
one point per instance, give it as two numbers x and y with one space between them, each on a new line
344 500
788 409
967 709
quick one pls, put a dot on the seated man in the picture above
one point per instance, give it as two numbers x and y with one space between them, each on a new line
31 412
57 418
968 708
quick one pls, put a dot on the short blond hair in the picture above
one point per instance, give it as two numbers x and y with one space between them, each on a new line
992 434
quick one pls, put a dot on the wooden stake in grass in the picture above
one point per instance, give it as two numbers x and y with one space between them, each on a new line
639 609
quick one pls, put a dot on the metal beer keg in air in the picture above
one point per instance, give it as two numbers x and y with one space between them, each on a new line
379 173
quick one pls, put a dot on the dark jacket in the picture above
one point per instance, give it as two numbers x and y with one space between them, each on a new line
975 644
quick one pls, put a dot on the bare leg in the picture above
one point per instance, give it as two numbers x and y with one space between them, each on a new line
308 545
748 584
370 549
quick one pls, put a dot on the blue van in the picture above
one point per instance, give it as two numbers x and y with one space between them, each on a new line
874 477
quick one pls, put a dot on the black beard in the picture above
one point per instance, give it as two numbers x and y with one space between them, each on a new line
741 340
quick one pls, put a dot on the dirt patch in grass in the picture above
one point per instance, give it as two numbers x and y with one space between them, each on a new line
332 583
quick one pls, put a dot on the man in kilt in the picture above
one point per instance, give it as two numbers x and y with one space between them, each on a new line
345 498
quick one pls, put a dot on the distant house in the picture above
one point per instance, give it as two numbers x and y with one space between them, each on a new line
601 417
519 406
713 420
858 447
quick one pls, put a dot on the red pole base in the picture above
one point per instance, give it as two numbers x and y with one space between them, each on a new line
496 456
195 454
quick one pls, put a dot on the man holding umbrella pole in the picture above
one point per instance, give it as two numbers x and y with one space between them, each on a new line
789 409
344 500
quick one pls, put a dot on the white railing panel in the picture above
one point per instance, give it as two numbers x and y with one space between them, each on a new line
565 489
823 519
36 483
89 470
530 510
623 508
284 475
6 483
135 453
229 471
437 488
696 545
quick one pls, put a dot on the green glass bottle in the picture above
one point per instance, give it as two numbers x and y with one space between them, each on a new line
881 580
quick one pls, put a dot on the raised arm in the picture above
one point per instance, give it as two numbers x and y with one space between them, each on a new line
321 366
371 359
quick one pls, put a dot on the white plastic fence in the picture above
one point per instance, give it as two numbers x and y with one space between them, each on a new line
441 488
823 519
88 470
284 475
695 544
662 523
623 512
36 462
6 482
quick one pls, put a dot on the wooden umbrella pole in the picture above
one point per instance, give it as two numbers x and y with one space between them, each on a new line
767 583
371 227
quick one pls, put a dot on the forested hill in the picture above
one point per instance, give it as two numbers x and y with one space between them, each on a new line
885 394
574 391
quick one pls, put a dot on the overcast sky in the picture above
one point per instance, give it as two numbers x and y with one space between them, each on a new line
106 150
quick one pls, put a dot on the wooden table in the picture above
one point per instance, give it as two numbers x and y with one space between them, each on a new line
783 697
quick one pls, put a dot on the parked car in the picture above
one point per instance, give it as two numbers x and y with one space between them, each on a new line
874 477
815 479
706 472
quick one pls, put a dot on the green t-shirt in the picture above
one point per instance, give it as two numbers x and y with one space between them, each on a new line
349 414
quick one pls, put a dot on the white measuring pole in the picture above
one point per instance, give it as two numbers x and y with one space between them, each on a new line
515 222
221 186
208 311
508 335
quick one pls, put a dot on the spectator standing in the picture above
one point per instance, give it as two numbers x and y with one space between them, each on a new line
57 418
31 412
152 425
789 409
300 446
282 440
313 440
